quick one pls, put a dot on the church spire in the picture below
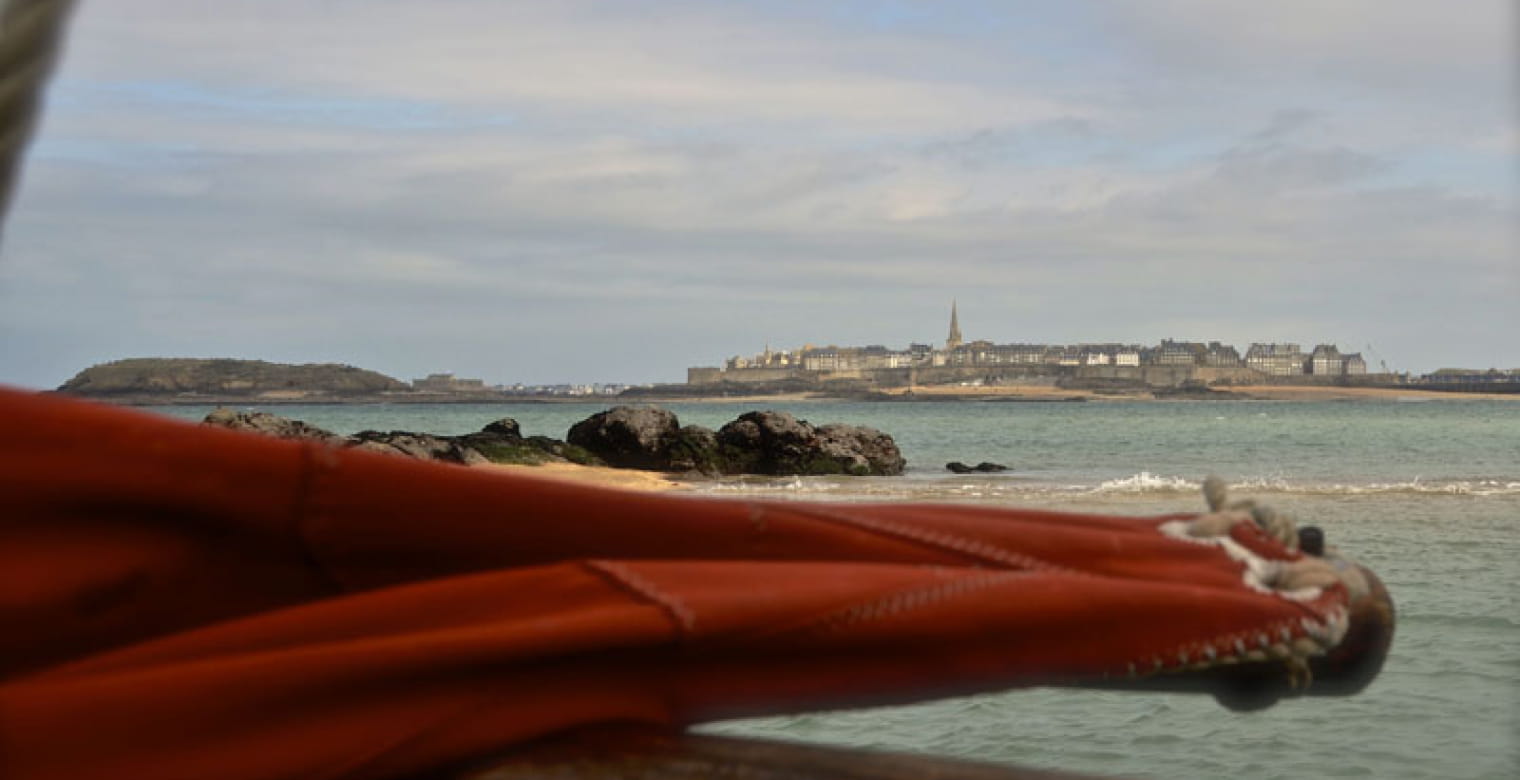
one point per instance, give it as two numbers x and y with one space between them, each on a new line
955 328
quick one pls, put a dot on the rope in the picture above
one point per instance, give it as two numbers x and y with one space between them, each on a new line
31 36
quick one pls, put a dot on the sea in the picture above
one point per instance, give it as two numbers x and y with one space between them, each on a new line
1425 492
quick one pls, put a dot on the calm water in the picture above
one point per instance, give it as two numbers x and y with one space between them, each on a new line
1427 494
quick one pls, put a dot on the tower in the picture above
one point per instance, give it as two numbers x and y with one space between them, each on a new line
954 339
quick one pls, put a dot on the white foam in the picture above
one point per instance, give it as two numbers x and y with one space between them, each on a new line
1003 488
1146 482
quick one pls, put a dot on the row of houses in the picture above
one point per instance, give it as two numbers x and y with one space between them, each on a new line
1290 360
564 390
451 385
1468 376
1271 359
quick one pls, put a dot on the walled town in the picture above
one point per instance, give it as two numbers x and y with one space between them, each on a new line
1168 364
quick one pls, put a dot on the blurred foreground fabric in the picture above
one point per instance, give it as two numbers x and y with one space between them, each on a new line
178 601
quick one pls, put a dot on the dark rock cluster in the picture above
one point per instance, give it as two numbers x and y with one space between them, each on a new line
628 437
771 443
498 442
985 467
778 443
649 438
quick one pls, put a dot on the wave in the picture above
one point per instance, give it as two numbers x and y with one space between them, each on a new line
1146 482
1138 485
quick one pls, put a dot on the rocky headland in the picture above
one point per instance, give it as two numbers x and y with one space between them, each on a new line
628 437
175 378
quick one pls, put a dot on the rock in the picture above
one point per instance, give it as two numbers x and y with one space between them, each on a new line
271 425
863 447
502 442
767 443
378 447
422 446
469 450
772 443
558 450
985 467
696 451
506 427
777 443
638 437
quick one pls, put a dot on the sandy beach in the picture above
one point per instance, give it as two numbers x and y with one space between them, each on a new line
627 479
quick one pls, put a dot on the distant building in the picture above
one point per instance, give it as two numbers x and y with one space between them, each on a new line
1221 355
1178 353
826 359
1326 360
696 375
1020 354
1109 354
448 383
1276 359
960 360
954 339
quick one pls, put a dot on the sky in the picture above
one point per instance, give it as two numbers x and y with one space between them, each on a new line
613 191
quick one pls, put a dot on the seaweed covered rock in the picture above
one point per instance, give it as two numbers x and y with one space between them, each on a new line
696 450
767 443
419 445
505 427
498 442
502 442
637 437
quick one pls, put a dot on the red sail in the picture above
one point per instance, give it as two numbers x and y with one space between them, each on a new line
178 601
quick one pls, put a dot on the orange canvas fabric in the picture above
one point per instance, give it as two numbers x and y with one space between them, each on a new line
178 601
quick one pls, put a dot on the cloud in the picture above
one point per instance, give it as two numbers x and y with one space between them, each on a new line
689 63
563 191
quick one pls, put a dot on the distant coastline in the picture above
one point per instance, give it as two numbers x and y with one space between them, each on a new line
1172 369
936 394
232 382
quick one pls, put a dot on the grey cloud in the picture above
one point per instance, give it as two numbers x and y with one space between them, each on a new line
671 191
1285 123
995 145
